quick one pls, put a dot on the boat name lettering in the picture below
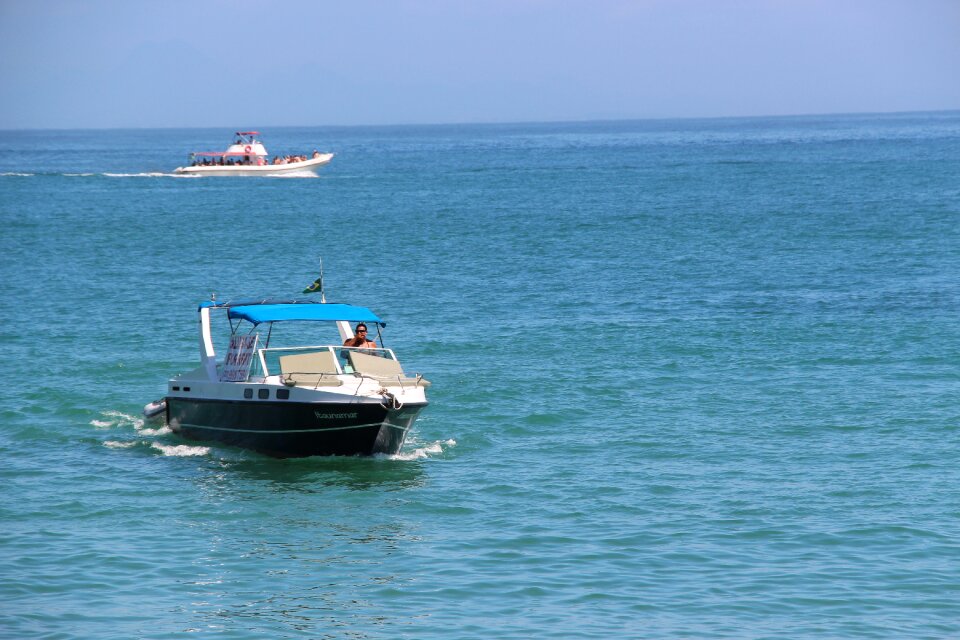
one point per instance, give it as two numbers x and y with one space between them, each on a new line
333 416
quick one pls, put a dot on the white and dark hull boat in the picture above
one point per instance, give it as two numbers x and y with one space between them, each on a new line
299 401
248 157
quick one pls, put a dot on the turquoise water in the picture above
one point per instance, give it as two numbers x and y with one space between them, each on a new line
691 378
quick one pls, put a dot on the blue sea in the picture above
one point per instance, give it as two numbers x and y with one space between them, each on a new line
691 379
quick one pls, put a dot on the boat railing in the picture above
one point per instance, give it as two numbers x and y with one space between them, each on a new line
322 360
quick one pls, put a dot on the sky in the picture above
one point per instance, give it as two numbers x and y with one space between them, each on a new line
224 63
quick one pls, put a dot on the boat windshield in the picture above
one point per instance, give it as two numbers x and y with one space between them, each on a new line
327 360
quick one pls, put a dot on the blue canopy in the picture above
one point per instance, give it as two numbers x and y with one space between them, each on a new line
258 313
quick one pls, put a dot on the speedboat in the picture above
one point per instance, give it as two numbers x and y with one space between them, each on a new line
293 401
248 157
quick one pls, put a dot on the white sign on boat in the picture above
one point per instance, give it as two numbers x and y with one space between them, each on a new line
236 366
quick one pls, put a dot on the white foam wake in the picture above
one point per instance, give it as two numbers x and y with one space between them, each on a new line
118 419
181 450
425 451
151 174
114 444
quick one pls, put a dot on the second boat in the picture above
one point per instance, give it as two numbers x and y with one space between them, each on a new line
248 157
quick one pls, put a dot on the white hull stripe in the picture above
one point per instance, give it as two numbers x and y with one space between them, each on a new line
270 431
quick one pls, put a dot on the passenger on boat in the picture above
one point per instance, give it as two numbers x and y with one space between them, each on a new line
359 338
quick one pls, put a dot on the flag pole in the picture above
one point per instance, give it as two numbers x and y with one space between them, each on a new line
317 285
323 296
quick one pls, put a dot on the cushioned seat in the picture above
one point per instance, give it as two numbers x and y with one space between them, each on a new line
374 365
315 369
387 371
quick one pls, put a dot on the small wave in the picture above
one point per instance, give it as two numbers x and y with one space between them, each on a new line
173 450
114 419
180 450
426 451
117 419
14 173
159 431
114 444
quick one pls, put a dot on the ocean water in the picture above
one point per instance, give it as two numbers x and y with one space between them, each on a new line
691 379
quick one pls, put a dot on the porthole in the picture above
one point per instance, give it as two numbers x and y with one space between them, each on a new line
283 394
248 393
263 394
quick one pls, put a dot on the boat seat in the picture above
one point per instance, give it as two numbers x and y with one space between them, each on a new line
374 366
315 369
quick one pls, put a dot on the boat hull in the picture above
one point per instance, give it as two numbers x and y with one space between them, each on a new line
312 165
294 430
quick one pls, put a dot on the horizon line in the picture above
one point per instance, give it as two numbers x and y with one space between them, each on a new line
501 123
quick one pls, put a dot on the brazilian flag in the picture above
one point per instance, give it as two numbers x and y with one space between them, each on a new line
316 287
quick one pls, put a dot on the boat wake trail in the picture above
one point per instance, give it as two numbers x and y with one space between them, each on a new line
144 435
182 450
147 175
429 450
114 419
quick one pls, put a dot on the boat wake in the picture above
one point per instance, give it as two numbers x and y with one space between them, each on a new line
144 435
149 174
430 450
181 450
